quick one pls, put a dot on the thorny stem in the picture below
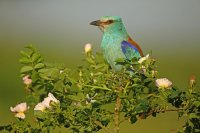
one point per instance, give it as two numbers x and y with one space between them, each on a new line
117 114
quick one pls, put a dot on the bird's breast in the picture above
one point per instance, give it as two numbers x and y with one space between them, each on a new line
111 48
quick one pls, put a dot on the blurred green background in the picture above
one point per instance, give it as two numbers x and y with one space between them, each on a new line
59 29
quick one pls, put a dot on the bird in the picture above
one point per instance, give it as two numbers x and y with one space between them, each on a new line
116 42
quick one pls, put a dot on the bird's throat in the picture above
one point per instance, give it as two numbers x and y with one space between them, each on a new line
101 28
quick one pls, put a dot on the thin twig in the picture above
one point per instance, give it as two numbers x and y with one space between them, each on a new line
97 87
169 110
102 126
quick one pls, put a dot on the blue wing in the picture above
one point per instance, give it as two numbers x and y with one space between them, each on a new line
129 50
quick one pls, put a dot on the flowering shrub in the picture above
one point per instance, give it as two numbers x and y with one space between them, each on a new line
92 96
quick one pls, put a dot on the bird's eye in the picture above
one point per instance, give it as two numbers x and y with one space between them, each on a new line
110 21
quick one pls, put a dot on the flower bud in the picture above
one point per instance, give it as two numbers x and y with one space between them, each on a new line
192 81
88 48
27 80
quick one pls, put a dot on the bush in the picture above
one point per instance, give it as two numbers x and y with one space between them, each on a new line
92 96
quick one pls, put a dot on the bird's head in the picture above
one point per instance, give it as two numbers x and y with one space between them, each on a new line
109 24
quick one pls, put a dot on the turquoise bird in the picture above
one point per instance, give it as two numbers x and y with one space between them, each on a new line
116 43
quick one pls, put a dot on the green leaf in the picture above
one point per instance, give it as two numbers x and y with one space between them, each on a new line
74 88
31 48
34 76
133 119
148 75
154 114
193 115
196 103
99 58
197 130
25 60
120 60
190 123
74 97
137 80
59 85
6 127
24 54
99 66
81 95
50 73
39 114
39 65
147 80
91 61
26 69
40 60
35 57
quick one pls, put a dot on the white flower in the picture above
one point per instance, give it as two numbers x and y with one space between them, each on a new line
46 103
90 99
61 71
143 59
52 98
88 47
27 80
20 110
163 83
40 107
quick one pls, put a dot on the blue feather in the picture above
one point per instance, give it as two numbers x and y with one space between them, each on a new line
129 50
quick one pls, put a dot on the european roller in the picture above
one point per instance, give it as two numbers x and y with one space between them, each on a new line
116 43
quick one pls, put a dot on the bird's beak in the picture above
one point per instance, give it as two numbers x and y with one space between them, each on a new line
96 23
